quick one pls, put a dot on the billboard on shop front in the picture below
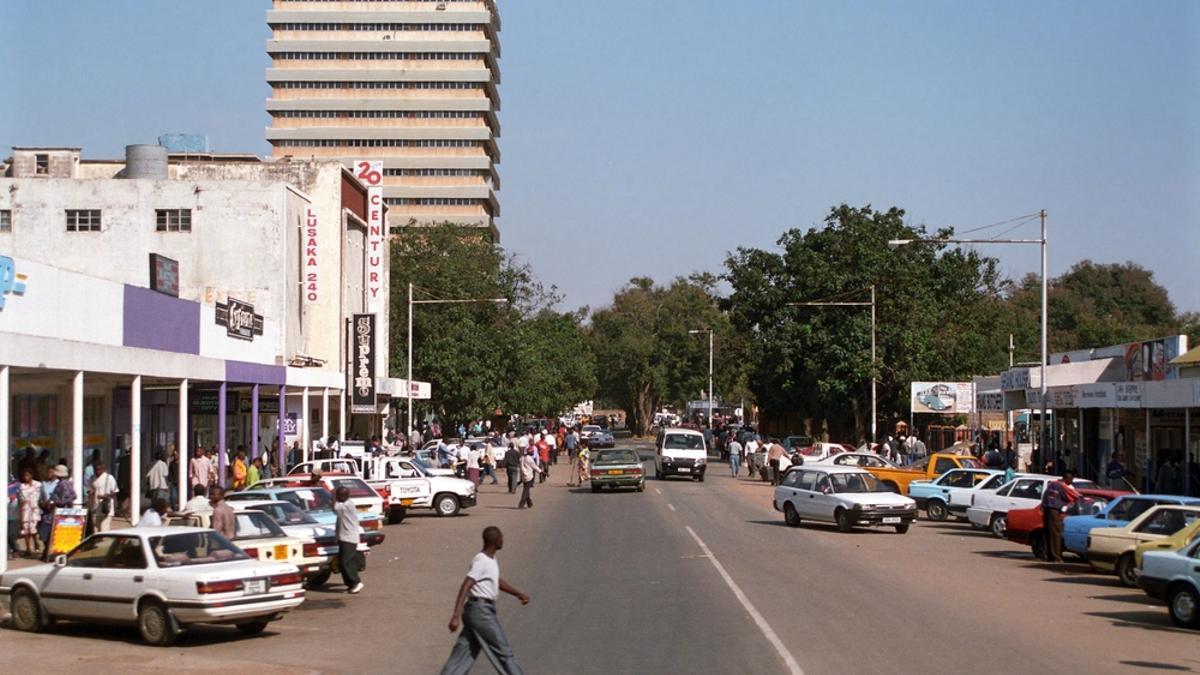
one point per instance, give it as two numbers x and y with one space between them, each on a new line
942 398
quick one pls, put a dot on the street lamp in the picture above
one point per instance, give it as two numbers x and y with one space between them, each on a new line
871 304
897 243
710 371
411 302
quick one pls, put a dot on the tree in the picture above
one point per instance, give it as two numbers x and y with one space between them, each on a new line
939 316
1092 305
645 355
483 357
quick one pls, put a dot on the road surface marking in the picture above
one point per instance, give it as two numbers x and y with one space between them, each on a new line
671 506
763 626
656 490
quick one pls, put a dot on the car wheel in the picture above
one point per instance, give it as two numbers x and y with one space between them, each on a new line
845 522
700 478
1037 544
641 487
1127 570
1183 604
936 510
790 516
999 525
902 528
396 516
317 580
154 624
446 505
27 614
253 627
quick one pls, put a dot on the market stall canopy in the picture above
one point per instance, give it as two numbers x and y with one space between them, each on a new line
1188 358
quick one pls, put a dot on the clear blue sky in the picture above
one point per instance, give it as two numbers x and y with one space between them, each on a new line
650 138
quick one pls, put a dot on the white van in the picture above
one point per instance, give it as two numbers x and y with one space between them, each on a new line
680 452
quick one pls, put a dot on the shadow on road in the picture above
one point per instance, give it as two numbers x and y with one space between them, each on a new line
1133 598
1146 620
1016 554
196 636
1156 665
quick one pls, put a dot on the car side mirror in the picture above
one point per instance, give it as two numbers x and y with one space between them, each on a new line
60 560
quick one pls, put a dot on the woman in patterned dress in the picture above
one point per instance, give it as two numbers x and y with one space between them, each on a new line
31 511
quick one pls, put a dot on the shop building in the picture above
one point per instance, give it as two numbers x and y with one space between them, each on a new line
163 303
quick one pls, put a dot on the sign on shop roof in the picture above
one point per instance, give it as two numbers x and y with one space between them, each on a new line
239 319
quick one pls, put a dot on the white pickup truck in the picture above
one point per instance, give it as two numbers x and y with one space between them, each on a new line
408 486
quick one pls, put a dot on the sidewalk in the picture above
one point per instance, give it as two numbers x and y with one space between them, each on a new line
19 562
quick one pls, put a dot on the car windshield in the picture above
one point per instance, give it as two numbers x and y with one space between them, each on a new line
356 486
255 525
194 548
683 442
617 457
854 483
420 464
308 499
285 513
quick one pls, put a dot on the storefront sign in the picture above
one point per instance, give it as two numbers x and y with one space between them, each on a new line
290 424
312 259
207 402
989 401
362 360
1129 395
11 282
267 405
1099 395
239 319
164 275
1061 397
370 172
943 398
67 529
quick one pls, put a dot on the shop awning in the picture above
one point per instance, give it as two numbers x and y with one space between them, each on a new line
1188 358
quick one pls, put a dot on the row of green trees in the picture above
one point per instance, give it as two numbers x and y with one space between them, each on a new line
943 313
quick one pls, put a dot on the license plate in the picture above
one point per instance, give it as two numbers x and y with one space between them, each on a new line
891 521
682 470
363 507
281 552
406 502
255 586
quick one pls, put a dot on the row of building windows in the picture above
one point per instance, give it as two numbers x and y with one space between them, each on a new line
377 85
379 114
435 172
89 220
374 143
380 26
377 56
433 201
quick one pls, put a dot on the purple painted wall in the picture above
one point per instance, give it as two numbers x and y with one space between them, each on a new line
155 321
254 373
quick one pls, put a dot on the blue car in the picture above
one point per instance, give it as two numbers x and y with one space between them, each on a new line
1118 513
317 503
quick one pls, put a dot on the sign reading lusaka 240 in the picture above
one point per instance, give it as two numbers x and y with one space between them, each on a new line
239 319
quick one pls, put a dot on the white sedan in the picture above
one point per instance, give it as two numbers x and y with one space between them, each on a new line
989 510
161 579
847 496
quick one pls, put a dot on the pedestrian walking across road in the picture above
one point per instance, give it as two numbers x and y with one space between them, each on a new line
735 457
348 534
528 470
475 611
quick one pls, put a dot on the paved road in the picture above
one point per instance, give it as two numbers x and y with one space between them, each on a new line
645 583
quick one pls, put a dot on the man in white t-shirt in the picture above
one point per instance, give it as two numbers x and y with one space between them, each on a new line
475 610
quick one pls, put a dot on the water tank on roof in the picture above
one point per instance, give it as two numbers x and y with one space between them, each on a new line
145 161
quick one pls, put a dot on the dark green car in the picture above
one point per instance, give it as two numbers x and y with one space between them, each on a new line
617 468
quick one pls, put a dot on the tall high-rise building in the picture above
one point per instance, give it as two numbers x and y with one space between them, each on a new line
411 83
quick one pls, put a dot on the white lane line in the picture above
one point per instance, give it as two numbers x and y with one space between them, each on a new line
763 626
657 491
671 506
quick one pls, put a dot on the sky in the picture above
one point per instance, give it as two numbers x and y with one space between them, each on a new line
653 138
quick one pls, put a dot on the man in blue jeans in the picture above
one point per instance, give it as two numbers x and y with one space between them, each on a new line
475 610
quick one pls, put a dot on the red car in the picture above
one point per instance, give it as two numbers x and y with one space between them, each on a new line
1025 526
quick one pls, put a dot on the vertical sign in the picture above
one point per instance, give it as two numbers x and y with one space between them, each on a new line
370 172
362 364
312 260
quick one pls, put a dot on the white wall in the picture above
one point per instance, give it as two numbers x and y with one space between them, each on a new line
64 305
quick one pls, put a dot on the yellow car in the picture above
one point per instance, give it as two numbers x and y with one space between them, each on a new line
1112 549
1172 543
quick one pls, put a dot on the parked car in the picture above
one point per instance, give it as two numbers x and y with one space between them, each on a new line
1112 549
949 493
989 510
409 486
258 535
1172 543
316 502
1174 576
862 460
795 443
820 451
897 479
847 496
364 497
680 452
161 579
345 465
1027 526
1118 513
617 468
320 548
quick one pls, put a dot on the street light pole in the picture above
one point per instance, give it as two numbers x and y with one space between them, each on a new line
710 371
411 302
1043 242
874 382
